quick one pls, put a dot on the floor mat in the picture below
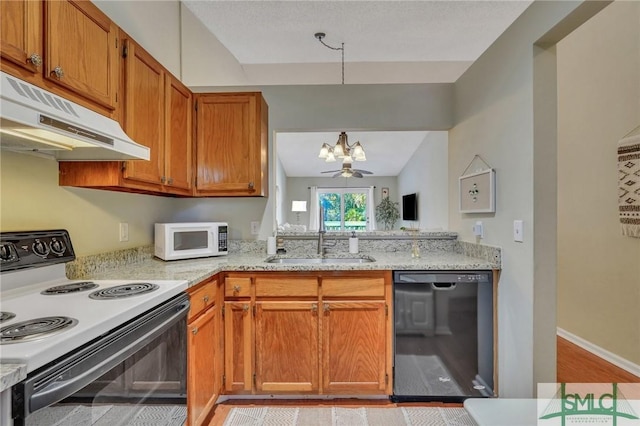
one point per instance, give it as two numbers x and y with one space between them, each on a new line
109 415
339 416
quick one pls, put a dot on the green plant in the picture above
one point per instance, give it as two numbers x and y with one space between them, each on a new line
387 212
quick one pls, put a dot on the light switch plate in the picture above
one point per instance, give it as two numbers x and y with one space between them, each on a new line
478 229
124 231
255 228
518 231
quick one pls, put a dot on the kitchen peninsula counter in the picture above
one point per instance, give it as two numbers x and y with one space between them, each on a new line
197 270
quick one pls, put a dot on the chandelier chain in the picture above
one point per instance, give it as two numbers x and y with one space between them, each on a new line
320 37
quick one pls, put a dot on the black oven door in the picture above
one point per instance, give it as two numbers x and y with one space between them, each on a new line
135 371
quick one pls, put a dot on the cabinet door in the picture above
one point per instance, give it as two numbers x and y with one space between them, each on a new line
144 114
178 137
203 386
287 347
21 33
229 148
81 52
354 350
238 346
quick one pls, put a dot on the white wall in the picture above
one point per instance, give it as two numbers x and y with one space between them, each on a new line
154 24
599 102
426 173
494 117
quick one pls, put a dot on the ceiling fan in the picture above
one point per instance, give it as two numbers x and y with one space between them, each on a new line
347 171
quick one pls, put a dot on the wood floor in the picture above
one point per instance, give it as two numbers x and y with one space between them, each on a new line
575 365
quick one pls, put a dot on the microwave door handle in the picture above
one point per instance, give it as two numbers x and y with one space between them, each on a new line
89 370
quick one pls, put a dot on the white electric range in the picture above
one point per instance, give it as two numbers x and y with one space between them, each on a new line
53 324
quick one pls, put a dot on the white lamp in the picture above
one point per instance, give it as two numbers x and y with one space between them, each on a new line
298 206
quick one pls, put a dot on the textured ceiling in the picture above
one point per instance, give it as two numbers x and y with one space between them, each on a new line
281 32
428 41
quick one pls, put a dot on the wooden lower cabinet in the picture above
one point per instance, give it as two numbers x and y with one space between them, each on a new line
318 333
287 347
203 388
204 351
238 346
353 347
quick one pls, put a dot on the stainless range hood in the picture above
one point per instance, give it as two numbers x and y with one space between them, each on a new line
33 120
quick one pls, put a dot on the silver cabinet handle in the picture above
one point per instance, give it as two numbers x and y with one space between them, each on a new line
170 181
326 307
314 307
251 185
163 179
58 71
205 298
236 289
195 330
35 59
245 308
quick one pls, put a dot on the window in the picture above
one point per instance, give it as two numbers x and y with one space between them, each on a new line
344 209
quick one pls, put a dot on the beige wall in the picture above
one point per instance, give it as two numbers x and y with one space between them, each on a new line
32 200
494 117
599 101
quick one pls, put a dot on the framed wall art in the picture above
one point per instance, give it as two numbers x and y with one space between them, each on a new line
477 192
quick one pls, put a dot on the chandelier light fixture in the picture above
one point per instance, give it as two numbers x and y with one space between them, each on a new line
342 149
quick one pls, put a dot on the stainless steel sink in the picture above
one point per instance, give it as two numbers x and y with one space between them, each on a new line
307 260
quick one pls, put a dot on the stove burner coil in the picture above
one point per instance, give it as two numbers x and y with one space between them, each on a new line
6 316
70 288
125 290
35 329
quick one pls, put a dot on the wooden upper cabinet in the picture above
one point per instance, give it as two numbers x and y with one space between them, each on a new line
178 135
231 144
21 34
80 50
144 113
158 113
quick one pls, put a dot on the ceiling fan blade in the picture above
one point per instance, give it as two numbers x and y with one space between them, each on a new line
356 174
366 172
331 171
338 174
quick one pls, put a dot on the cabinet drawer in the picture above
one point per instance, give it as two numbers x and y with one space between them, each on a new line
202 297
285 287
348 287
237 287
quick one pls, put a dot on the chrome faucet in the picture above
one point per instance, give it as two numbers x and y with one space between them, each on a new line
322 246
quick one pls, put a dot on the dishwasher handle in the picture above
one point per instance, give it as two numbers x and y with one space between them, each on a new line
443 286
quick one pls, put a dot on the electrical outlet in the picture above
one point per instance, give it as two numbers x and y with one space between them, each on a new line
255 228
124 232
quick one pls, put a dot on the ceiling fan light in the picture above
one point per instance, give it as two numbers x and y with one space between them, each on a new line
324 151
347 173
338 150
358 150
347 159
360 157
330 157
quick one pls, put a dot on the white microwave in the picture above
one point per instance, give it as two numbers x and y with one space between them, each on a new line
175 241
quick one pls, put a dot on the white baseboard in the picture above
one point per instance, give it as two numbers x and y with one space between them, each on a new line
614 359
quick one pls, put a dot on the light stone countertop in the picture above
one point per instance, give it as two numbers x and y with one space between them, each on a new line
10 374
197 270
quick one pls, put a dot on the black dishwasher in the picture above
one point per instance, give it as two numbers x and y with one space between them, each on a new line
443 335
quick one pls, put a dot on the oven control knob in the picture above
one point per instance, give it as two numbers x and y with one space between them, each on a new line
40 248
6 254
57 247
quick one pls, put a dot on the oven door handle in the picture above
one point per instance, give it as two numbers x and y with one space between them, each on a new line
61 381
